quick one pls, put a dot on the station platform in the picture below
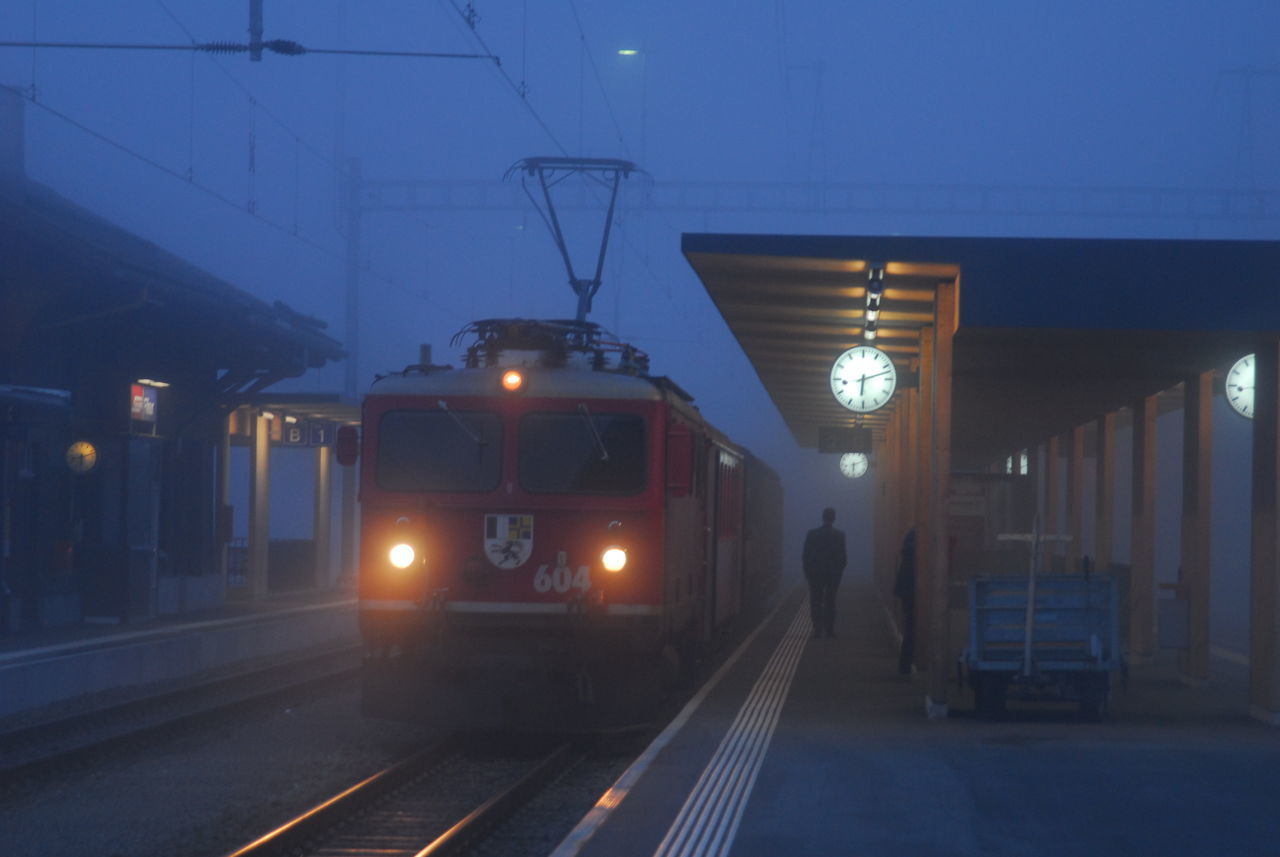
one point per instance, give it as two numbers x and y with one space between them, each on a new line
61 670
804 746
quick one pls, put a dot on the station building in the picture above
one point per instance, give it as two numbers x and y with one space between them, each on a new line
125 375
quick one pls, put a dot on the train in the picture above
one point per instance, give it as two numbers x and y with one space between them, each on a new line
550 536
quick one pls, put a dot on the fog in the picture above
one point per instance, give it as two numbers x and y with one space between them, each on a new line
238 166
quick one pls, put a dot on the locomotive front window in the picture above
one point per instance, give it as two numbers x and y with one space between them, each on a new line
582 453
443 450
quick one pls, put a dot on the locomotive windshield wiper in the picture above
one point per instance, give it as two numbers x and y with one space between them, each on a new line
595 435
474 435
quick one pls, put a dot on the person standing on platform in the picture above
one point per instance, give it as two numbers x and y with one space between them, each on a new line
824 561
904 587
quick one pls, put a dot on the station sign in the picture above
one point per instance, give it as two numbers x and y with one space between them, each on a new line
307 433
844 439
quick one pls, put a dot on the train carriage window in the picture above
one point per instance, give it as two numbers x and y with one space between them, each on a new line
582 453
444 450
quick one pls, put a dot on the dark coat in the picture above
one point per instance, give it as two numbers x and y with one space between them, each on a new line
824 554
904 584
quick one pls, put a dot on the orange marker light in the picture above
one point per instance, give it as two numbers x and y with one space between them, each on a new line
512 380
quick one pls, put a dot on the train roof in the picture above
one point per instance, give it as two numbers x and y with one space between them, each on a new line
540 382
560 359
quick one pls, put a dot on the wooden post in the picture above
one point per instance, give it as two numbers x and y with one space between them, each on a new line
259 507
941 657
1264 560
1052 490
923 441
1075 499
1142 548
1197 486
322 513
1104 488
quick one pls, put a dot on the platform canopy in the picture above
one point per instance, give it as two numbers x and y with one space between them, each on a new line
1049 332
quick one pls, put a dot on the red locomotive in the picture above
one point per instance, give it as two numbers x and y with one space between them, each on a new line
549 532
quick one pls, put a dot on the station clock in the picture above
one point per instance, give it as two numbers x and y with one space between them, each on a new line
863 378
81 456
1239 385
853 464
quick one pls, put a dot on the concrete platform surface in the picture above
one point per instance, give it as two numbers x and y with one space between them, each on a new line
819 747
72 667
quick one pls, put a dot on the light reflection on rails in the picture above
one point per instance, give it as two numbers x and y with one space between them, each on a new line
321 829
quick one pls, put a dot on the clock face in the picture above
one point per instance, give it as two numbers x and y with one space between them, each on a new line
1240 386
863 378
81 456
853 464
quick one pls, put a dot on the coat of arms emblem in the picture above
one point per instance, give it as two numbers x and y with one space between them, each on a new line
508 539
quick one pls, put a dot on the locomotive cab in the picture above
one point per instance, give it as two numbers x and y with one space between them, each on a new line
534 539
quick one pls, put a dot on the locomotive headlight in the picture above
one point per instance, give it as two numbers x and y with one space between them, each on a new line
402 555
512 380
614 558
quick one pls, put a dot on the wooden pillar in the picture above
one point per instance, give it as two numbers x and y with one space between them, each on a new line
1264 560
1142 547
1052 525
922 443
259 507
322 513
941 657
1197 517
222 490
1075 499
1104 488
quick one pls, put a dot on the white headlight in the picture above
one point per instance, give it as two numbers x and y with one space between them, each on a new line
613 559
402 555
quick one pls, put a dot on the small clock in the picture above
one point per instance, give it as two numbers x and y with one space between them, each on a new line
1239 386
853 464
863 378
81 456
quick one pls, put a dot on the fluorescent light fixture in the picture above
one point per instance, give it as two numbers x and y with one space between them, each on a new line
149 382
290 419
875 288
627 52
267 415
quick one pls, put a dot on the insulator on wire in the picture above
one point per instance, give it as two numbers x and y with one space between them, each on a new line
285 46
222 47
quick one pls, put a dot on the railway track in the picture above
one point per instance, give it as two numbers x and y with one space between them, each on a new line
439 801
46 748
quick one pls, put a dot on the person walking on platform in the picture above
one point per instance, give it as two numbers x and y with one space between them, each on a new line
904 587
824 561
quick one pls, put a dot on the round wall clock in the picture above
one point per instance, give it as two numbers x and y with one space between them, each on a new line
81 456
853 464
1239 386
863 378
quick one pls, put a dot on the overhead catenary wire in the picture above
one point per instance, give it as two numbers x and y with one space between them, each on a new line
225 200
283 47
604 94
339 171
520 89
